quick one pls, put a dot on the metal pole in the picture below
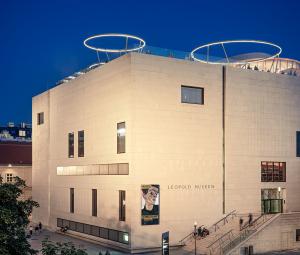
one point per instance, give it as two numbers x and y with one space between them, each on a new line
195 237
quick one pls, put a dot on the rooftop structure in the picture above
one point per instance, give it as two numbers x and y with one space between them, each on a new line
267 60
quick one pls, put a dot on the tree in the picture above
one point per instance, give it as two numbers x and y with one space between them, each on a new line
14 215
51 248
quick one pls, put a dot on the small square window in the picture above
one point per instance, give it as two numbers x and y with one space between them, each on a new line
22 133
40 118
192 95
9 177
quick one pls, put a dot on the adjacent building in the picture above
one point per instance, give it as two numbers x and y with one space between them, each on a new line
16 154
147 144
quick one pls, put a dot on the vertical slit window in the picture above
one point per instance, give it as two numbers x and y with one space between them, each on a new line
122 205
121 131
81 143
298 143
94 202
71 145
71 200
40 118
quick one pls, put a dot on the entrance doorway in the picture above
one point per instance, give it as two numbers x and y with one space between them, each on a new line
272 200
272 206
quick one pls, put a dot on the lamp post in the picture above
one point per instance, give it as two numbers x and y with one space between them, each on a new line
195 236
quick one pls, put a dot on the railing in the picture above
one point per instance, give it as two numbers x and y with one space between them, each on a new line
222 221
218 244
245 232
236 240
214 227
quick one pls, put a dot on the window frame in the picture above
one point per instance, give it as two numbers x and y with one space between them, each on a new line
94 203
192 87
9 177
121 139
297 232
81 143
72 200
298 144
273 171
40 118
122 205
71 145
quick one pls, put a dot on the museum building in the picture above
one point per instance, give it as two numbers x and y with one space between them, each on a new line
147 144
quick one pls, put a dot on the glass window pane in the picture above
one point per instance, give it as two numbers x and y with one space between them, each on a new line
71 145
81 143
121 132
192 95
104 233
124 169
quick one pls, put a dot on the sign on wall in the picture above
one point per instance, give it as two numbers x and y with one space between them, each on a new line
165 243
150 204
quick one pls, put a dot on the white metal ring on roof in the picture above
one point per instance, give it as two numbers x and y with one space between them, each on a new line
279 50
142 43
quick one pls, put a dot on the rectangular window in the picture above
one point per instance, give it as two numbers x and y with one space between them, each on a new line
298 143
71 145
94 202
40 118
297 235
122 205
71 200
192 95
121 137
9 177
273 171
81 143
22 133
105 233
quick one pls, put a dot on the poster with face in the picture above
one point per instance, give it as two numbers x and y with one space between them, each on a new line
150 204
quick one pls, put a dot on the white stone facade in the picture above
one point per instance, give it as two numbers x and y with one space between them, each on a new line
176 145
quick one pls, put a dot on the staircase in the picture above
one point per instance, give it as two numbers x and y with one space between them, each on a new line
216 232
224 235
243 234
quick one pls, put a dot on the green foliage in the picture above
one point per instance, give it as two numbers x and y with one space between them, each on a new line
51 248
14 219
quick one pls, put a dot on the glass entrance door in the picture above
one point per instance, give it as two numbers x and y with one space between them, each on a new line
272 206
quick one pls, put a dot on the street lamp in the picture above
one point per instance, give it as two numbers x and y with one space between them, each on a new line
195 236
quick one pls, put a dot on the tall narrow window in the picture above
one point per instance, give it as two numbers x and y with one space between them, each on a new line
298 143
71 145
122 205
71 200
121 131
81 143
94 202
192 95
40 118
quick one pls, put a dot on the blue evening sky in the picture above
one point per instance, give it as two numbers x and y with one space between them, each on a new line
41 41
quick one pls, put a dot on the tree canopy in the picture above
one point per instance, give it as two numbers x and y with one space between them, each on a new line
14 218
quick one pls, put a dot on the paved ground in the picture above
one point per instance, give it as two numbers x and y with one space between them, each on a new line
91 248
94 249
290 252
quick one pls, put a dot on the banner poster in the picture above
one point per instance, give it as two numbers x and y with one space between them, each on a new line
150 204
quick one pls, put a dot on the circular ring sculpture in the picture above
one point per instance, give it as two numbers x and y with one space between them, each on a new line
278 48
142 43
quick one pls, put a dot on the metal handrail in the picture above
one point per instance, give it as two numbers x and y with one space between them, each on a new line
245 232
215 226
220 238
212 227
